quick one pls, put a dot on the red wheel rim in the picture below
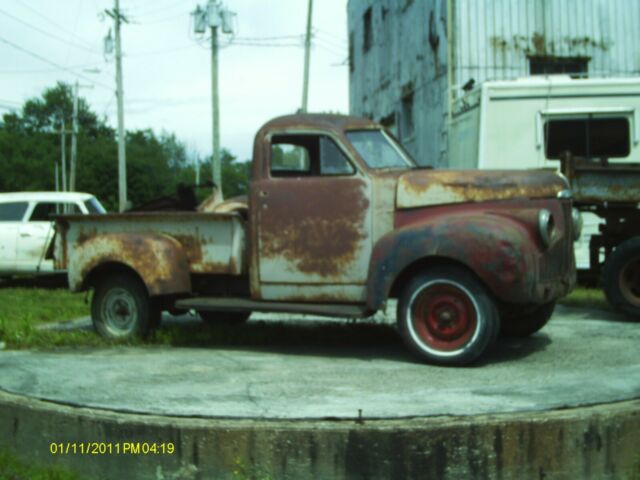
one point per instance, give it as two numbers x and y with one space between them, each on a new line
444 317
630 281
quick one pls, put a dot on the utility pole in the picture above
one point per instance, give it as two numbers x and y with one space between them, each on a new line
63 158
214 15
74 140
307 49
217 174
122 161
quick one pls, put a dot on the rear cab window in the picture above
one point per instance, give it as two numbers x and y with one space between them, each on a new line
13 211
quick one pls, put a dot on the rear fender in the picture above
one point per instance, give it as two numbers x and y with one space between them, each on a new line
159 260
496 248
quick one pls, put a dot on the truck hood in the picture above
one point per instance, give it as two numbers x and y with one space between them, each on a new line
439 187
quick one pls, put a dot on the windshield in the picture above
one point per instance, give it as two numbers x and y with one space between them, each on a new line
378 150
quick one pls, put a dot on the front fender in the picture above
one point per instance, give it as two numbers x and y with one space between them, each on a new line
158 259
496 248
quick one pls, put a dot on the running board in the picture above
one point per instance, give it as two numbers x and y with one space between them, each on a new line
225 304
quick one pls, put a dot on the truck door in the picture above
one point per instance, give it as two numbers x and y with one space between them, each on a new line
11 215
313 218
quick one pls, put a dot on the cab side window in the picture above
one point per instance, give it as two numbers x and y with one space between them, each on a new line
307 155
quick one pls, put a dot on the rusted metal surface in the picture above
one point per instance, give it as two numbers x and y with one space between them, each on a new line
437 187
498 241
310 231
210 243
314 230
158 260
598 184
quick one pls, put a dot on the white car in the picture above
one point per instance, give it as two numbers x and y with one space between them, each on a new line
26 229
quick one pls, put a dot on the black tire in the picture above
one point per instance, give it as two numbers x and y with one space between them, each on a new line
528 322
467 320
223 318
121 308
621 277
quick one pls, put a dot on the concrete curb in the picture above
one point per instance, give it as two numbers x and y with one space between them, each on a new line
598 442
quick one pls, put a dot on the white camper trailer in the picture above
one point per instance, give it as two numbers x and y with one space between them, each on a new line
531 122
523 123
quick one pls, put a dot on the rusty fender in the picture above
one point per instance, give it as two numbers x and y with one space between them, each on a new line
496 248
158 259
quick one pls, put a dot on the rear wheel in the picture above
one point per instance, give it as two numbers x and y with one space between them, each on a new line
621 277
122 309
447 317
223 318
528 322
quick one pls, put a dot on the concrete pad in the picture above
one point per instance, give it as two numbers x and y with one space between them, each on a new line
576 360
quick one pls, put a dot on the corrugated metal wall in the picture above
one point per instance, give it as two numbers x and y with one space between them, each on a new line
494 38
402 59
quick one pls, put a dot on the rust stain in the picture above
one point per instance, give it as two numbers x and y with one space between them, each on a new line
320 236
157 259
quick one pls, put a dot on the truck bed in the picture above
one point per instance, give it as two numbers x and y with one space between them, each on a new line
214 243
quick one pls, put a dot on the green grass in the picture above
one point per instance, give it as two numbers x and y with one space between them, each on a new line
586 298
12 468
22 309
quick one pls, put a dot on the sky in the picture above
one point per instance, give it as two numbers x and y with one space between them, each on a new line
167 68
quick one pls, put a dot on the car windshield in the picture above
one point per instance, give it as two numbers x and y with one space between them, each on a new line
379 150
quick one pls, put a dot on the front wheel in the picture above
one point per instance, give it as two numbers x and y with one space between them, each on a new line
447 317
121 308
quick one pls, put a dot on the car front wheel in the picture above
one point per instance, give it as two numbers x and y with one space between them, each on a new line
446 316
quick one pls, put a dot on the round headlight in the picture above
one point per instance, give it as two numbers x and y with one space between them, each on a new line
576 218
546 226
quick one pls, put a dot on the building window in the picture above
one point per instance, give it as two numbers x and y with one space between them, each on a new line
368 31
587 137
351 59
406 118
574 66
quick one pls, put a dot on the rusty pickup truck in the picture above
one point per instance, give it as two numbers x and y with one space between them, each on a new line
338 220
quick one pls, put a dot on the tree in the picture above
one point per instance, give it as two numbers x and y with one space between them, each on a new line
156 164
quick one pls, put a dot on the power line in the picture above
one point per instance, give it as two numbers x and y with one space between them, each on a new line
50 35
60 67
44 70
44 17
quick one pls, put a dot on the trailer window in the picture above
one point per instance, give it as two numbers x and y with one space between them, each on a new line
587 137
12 211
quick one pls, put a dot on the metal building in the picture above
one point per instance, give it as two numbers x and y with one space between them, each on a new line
403 73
